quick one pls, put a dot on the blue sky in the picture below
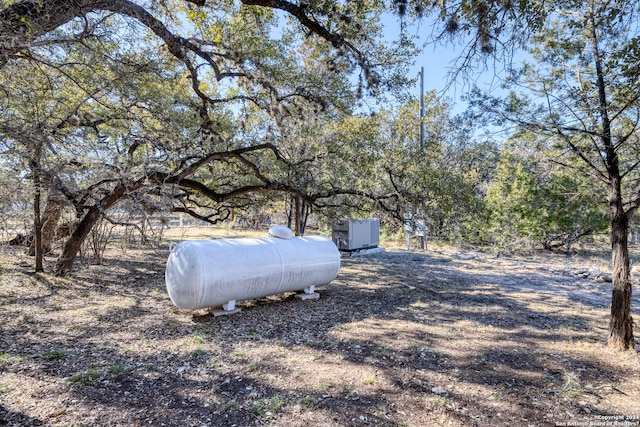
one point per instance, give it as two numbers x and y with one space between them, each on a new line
438 60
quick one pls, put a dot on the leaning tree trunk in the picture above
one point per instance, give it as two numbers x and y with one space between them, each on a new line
621 322
72 246
91 217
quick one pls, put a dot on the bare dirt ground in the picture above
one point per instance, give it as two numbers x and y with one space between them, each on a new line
398 339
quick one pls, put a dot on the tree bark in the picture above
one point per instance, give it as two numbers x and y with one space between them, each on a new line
306 210
72 246
37 237
297 215
621 322
50 219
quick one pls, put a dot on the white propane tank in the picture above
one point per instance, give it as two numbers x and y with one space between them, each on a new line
210 273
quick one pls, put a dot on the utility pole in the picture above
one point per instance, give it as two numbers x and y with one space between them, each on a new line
421 108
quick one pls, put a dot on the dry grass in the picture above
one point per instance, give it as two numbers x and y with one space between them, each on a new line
398 339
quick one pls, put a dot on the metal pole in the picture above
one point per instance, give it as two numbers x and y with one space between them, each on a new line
421 107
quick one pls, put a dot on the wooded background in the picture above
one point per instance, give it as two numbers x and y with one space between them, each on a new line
124 113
